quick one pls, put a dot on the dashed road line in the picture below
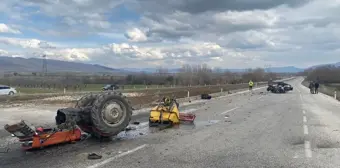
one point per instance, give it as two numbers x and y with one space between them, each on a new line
117 156
260 97
308 151
230 110
305 129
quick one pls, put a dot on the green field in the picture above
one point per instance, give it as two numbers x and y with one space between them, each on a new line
89 87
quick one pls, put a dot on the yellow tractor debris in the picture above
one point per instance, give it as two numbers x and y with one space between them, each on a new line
167 113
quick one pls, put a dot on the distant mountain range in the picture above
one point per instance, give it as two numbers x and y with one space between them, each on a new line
335 64
17 64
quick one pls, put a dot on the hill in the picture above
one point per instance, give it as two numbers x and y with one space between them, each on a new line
17 64
316 66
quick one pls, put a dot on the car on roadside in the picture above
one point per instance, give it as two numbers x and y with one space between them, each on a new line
7 90
110 87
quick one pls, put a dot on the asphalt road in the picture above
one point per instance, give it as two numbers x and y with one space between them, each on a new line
256 129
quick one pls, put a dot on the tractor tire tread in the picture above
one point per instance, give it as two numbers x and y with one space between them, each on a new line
100 128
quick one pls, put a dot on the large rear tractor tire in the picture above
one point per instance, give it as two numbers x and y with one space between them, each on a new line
86 101
110 114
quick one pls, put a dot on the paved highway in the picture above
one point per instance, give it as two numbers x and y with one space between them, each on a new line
256 129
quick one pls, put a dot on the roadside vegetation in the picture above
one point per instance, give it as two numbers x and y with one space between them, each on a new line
188 75
328 76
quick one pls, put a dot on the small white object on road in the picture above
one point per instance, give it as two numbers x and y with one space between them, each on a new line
230 110
303 111
304 119
117 156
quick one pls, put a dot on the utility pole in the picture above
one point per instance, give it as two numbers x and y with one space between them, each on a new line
44 65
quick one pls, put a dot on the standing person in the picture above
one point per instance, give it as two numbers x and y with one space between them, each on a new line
251 84
316 86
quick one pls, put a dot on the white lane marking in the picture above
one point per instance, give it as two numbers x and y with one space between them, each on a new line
301 97
117 156
305 129
298 90
308 151
304 119
296 156
230 110
303 111
260 97
189 110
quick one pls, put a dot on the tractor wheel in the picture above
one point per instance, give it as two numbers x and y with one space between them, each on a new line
86 101
110 114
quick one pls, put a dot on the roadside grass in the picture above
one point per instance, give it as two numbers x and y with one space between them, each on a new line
327 89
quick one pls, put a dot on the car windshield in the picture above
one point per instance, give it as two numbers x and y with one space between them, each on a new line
169 83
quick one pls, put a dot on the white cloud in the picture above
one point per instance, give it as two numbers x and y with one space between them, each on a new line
3 52
255 17
224 33
6 29
136 35
26 43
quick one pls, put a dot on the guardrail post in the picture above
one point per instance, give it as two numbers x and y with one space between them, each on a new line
335 95
188 94
64 90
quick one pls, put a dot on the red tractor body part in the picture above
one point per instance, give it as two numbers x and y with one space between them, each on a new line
187 117
48 138
42 137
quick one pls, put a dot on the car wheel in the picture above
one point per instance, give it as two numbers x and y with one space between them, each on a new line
11 93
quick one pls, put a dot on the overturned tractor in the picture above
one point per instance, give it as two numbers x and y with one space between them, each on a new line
101 115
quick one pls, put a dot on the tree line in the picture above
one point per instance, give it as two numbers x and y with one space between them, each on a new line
187 75
324 74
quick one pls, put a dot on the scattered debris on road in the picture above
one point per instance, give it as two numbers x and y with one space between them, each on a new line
93 156
4 150
129 128
136 123
205 96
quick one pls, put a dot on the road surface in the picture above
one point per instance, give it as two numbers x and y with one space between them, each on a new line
261 129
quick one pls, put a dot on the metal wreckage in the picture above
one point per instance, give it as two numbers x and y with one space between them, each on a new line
99 115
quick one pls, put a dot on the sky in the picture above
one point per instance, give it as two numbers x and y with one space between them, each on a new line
170 33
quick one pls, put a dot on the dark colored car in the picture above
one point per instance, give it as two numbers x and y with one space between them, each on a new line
276 88
110 87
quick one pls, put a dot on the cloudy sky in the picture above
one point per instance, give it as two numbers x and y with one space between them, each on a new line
149 33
